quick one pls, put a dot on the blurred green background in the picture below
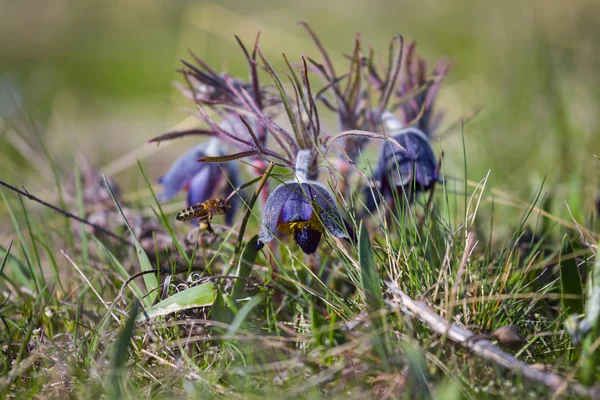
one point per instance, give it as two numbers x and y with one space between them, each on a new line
96 77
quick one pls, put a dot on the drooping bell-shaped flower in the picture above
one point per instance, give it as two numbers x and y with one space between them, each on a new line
303 208
203 180
412 169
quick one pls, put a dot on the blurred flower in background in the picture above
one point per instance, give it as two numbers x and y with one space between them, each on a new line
202 180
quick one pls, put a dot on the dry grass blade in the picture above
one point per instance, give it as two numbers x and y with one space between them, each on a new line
90 285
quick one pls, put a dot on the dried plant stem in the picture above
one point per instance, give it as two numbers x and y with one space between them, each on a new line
65 213
240 239
486 349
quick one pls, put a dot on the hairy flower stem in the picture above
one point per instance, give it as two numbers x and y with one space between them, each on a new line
240 239
305 170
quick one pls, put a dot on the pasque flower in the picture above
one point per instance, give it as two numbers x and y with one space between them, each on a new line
304 208
203 180
413 169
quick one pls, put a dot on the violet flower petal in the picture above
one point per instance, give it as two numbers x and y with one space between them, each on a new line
181 173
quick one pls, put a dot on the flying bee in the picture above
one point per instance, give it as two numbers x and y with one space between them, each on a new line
204 212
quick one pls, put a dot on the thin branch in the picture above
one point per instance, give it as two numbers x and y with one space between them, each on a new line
485 349
177 134
65 213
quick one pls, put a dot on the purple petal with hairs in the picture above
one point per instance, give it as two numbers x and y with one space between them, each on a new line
328 210
272 210
398 168
298 207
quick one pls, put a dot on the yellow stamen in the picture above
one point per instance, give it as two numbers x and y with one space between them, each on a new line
291 227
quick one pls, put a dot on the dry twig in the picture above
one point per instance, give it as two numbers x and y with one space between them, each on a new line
486 349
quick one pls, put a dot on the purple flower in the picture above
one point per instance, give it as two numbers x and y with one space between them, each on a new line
304 210
410 170
203 180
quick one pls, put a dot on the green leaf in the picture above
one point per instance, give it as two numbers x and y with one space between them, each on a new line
220 310
591 324
368 272
163 218
373 293
245 268
149 279
417 380
198 296
242 314
570 281
121 352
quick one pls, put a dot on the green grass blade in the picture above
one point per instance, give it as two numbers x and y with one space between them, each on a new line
26 275
242 314
5 258
164 219
85 252
110 258
368 271
198 296
245 268
570 281
21 270
417 370
589 352
121 353
373 293
149 279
